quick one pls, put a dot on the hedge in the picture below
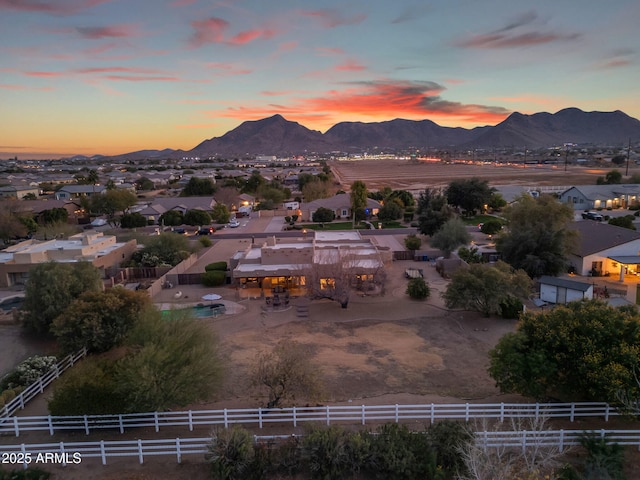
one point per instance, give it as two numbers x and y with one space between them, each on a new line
216 266
214 278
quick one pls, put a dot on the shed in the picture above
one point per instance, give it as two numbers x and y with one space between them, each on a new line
562 290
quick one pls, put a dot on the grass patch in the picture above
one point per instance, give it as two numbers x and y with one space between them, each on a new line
393 224
476 219
334 226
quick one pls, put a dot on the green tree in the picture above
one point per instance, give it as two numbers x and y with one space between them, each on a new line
54 215
433 212
51 288
483 287
166 249
471 195
254 182
612 177
624 222
99 320
358 198
583 351
390 211
171 218
450 236
112 202
619 159
133 220
220 213
406 198
316 190
418 289
323 215
491 227
172 363
30 196
143 183
539 238
287 373
412 242
198 187
197 217
470 255
496 202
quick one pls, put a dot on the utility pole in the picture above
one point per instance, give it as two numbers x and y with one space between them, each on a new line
628 155
566 156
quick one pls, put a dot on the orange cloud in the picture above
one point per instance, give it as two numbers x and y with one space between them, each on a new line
375 100
249 36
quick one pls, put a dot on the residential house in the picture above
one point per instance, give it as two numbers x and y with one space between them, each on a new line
69 192
340 204
606 250
160 205
285 262
586 197
103 251
18 192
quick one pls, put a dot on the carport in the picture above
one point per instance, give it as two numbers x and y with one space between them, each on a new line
628 264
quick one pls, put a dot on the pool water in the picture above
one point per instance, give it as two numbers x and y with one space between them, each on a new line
199 311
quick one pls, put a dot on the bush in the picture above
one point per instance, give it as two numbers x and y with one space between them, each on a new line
412 242
323 215
231 453
491 227
604 460
510 307
214 278
28 474
133 220
418 289
205 242
28 372
216 266
448 438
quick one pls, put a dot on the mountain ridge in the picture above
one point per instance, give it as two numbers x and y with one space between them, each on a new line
275 135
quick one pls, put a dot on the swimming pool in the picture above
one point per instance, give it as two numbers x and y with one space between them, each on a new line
198 311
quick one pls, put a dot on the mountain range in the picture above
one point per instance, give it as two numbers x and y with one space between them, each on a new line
276 135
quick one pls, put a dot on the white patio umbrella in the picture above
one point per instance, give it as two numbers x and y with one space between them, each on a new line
211 297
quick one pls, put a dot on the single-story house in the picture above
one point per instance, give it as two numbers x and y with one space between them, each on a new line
18 192
605 249
586 197
160 205
340 204
69 192
560 290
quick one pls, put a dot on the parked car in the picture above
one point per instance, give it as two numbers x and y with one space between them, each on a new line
180 231
592 216
234 224
206 230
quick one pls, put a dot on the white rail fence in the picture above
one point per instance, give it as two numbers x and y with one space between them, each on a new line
39 385
66 453
329 414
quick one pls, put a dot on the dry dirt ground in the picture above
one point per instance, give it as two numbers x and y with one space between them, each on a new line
417 176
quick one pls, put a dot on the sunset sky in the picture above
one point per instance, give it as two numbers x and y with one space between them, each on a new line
114 76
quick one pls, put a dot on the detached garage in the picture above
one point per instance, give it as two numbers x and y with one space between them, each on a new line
561 291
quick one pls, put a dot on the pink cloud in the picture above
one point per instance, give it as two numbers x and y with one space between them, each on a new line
350 66
331 18
206 31
249 36
54 7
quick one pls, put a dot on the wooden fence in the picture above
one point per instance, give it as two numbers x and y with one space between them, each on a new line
69 453
39 385
329 414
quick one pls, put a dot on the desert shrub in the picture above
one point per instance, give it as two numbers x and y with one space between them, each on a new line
413 242
447 438
89 388
418 289
28 372
10 394
398 453
325 453
28 474
214 278
231 453
205 242
216 266
510 307
491 227
604 460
